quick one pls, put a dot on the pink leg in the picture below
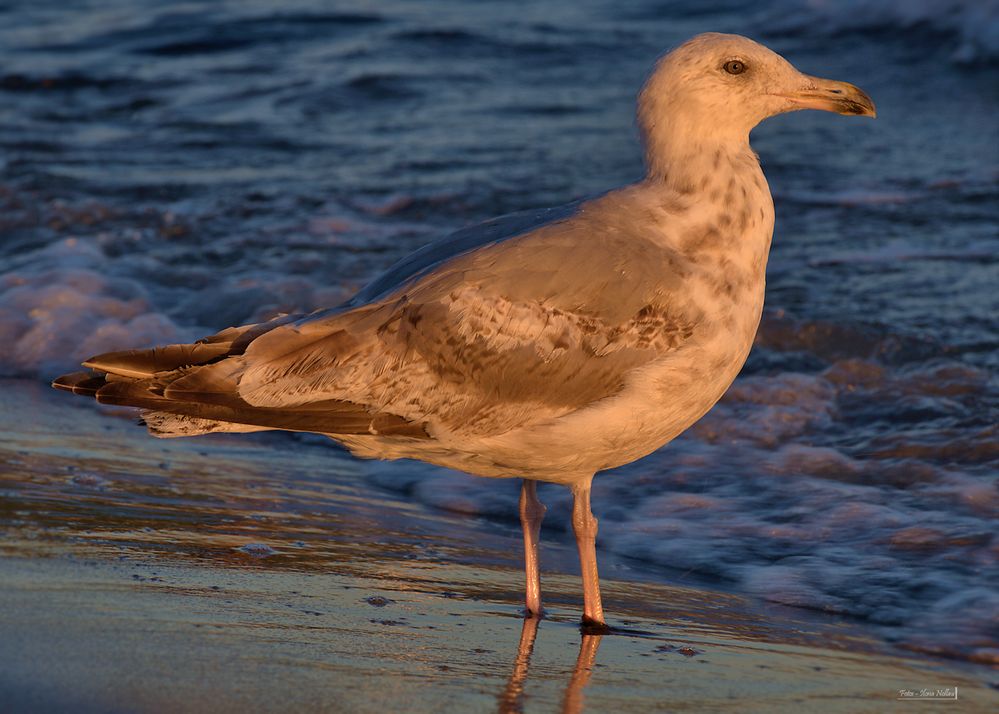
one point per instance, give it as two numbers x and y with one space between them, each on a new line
585 527
532 511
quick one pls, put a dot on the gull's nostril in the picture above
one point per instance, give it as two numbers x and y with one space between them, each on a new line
836 91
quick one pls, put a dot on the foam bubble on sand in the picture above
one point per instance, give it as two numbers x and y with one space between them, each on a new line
257 550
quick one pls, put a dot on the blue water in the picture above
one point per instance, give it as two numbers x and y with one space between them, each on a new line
168 170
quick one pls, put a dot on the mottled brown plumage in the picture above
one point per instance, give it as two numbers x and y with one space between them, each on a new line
548 345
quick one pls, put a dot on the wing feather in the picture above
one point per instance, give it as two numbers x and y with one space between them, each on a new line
494 329
491 340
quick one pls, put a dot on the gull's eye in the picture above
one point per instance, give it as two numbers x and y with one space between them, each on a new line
734 66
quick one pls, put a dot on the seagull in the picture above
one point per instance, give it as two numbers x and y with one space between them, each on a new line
545 345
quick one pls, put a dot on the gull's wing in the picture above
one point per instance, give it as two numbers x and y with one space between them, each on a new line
512 332
462 241
487 332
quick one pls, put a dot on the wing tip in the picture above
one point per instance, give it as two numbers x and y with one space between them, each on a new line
116 363
82 383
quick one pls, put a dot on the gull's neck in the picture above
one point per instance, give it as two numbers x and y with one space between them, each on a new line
682 153
712 185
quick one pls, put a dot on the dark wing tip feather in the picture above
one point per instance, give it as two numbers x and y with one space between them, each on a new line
66 381
84 383
140 364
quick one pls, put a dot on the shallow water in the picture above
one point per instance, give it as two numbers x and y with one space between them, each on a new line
170 170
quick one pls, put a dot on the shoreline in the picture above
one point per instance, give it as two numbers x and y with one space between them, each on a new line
221 574
147 635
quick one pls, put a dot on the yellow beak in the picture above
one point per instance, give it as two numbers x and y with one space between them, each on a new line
832 96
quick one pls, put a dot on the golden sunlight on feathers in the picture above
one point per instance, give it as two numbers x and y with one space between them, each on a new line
546 350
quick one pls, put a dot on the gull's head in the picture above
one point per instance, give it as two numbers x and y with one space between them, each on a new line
719 87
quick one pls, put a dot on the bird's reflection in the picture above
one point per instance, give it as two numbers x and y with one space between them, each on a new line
572 700
511 700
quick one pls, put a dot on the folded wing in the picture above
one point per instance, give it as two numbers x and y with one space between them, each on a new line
504 333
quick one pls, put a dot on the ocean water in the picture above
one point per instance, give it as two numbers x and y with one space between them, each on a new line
169 169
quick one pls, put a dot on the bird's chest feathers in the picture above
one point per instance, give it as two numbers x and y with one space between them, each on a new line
728 239
729 211
723 229
719 217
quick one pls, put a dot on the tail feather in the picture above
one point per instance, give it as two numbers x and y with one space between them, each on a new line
196 386
83 383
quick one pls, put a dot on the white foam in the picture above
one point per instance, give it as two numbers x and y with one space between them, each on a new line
52 318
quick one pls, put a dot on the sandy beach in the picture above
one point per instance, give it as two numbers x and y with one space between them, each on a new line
261 574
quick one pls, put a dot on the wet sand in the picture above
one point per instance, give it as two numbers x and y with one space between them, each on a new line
259 573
